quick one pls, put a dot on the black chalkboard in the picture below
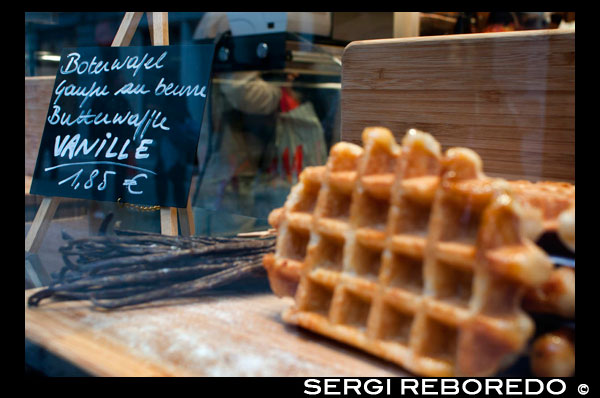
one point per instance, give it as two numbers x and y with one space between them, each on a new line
123 124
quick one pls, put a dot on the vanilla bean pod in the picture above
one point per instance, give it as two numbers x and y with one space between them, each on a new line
139 277
94 284
67 275
108 293
183 239
176 254
109 250
87 286
130 244
183 289
135 268
132 260
179 263
140 263
114 251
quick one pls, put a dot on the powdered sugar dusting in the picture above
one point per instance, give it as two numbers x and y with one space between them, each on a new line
226 336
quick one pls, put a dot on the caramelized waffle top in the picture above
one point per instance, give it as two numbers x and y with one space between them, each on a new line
552 198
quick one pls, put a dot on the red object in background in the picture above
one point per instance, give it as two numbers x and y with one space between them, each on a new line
286 104
298 160
287 101
288 168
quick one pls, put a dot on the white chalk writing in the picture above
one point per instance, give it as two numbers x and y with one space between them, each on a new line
151 118
82 143
95 66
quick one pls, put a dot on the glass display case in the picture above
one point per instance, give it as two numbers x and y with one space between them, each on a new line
285 88
262 128
273 109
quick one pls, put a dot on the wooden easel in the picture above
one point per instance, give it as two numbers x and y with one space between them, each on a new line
159 35
158 23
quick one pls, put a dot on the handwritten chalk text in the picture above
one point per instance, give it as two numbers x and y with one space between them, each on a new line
71 147
152 118
73 90
95 66
179 90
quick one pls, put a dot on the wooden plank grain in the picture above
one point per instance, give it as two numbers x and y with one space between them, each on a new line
518 103
98 355
508 60
158 23
509 96
127 29
226 335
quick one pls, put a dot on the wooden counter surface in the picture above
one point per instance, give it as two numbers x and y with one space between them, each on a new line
222 335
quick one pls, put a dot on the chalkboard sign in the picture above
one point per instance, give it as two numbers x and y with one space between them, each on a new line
123 124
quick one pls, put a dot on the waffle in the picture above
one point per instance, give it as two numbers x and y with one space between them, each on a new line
552 198
411 255
555 200
566 227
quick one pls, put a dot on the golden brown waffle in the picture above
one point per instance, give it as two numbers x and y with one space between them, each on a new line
552 198
294 221
413 256
566 227
555 200
555 296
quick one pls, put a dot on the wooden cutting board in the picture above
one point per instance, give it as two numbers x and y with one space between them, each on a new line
225 335
510 96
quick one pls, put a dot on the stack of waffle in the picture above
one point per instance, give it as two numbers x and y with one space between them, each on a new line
414 255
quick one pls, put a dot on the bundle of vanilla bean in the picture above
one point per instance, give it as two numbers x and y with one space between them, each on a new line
131 268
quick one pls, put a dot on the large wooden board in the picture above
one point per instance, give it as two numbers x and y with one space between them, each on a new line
224 335
510 96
